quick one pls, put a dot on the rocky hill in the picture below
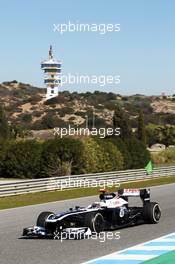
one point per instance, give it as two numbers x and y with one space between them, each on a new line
25 105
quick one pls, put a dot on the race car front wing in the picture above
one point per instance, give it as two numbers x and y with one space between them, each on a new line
67 233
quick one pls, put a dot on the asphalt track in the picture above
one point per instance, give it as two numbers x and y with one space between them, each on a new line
14 250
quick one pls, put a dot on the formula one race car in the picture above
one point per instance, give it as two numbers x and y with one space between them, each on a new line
111 212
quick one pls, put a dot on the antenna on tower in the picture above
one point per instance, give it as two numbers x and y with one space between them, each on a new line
50 52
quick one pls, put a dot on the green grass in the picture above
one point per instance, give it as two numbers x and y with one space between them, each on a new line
45 197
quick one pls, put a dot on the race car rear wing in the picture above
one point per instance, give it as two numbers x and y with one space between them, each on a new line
144 194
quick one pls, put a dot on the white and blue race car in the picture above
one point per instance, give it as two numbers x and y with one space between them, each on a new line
110 213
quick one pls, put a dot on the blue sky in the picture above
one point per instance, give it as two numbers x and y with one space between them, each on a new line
142 53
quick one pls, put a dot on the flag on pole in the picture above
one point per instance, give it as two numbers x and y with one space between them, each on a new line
149 167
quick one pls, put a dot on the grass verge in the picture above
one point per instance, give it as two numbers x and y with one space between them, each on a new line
45 197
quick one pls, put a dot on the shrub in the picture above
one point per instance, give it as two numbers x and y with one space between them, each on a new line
27 118
50 121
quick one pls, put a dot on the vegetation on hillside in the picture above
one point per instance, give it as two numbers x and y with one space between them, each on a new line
25 105
22 108
25 158
166 156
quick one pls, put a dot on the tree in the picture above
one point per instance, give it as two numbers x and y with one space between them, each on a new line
4 128
120 119
3 150
164 134
62 157
112 157
140 155
23 159
92 156
141 133
101 155
122 147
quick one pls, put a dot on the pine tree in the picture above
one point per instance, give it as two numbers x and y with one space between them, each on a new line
121 120
141 133
4 128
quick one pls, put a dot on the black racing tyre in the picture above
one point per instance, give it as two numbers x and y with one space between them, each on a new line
152 212
42 218
95 222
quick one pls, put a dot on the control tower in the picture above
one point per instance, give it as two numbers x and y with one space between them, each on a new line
52 75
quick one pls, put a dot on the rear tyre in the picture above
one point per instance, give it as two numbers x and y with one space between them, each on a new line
95 222
42 218
152 213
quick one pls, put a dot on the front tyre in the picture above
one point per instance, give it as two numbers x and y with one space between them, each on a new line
95 222
152 213
41 220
